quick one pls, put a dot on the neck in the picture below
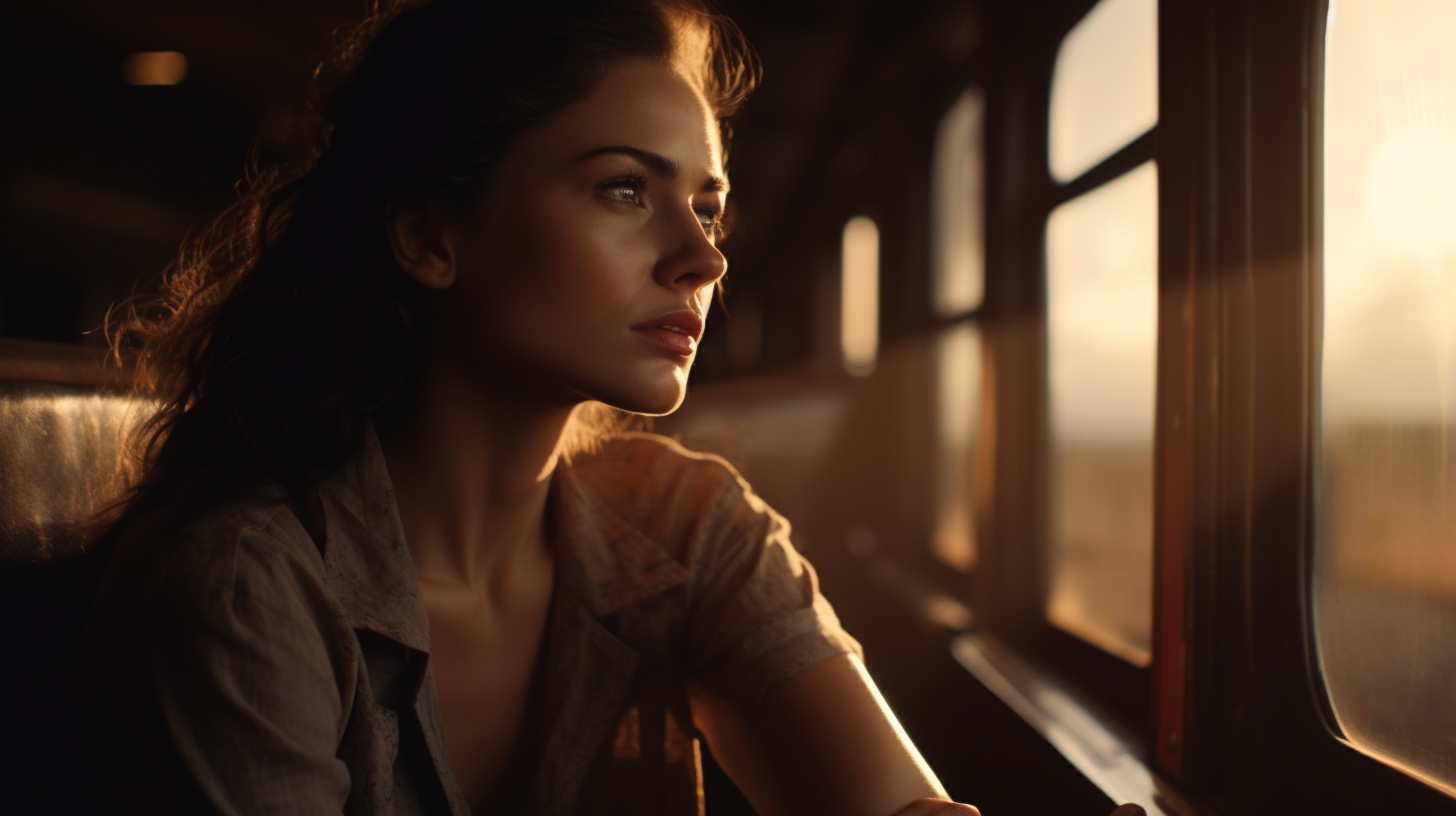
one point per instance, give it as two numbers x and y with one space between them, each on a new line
471 467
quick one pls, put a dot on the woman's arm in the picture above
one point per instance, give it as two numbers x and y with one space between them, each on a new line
826 743
823 743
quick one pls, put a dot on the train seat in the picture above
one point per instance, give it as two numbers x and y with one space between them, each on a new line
61 415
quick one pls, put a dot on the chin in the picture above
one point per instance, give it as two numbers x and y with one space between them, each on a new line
656 399
649 407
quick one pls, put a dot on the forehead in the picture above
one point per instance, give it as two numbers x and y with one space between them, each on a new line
646 105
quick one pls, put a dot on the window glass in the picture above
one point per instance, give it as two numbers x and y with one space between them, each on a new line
958 382
859 295
1102 326
957 195
1385 559
1105 85
957 191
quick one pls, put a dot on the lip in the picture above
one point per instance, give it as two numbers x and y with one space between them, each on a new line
681 340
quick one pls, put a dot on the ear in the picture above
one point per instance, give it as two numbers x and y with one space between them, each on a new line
421 242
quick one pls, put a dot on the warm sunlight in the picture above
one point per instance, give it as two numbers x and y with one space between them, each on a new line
958 397
1102 278
859 314
957 190
1385 570
1411 191
1105 89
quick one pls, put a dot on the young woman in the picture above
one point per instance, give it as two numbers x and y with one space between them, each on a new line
383 552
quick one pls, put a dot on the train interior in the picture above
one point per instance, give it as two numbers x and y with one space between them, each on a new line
1102 354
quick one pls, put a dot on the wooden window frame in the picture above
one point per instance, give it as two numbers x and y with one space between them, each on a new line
1233 710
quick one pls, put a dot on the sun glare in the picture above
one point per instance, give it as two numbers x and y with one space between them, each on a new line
1411 191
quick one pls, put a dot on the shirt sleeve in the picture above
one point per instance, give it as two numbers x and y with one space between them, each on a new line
225 694
758 616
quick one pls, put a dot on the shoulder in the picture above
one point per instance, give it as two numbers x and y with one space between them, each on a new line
644 452
688 502
639 474
237 556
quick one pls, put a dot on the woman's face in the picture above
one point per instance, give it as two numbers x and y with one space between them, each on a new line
591 274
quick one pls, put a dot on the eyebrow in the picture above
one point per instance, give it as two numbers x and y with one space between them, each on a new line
656 162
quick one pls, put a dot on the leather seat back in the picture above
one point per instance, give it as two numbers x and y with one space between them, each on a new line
60 425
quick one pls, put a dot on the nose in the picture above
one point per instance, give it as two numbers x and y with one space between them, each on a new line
691 260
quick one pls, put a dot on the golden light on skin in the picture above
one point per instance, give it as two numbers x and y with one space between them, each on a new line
859 315
155 68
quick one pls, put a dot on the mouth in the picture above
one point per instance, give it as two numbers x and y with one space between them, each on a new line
677 332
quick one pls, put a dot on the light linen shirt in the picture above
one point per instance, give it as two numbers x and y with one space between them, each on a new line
243 668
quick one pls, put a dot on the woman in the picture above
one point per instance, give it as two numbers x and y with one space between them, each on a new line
381 555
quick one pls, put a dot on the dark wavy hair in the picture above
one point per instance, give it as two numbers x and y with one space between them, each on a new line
286 327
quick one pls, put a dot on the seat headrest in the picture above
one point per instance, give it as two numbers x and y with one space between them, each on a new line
58 446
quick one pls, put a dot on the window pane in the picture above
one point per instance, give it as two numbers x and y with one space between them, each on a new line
1105 85
956 196
859 295
958 358
1385 565
1102 325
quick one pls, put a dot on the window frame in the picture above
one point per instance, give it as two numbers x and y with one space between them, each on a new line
1238 413
1009 591
1233 709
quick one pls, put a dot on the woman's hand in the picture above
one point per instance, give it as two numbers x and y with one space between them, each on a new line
937 807
940 807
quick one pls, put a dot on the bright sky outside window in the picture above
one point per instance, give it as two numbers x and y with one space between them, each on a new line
1105 85
1385 563
1102 279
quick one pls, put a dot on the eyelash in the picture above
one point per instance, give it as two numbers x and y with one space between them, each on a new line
711 219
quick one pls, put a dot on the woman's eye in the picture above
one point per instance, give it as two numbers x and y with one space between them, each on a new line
627 190
712 221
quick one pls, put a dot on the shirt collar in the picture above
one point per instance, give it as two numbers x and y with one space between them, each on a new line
602 558
366 562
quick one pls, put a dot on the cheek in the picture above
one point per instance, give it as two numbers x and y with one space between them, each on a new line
563 264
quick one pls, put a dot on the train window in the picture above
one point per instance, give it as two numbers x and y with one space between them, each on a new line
958 384
1102 326
957 192
957 201
1104 85
1385 570
859 295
